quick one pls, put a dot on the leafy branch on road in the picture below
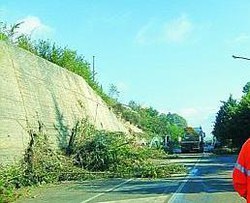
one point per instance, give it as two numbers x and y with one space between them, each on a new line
92 154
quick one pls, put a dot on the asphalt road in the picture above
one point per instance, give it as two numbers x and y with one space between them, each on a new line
209 180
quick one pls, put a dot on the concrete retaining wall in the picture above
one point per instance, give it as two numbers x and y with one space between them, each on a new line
33 89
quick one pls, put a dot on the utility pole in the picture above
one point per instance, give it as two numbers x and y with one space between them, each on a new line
239 57
93 69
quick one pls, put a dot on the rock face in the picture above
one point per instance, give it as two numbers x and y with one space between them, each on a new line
33 89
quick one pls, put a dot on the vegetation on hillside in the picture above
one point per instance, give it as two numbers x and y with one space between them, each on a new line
62 56
89 154
148 119
232 124
151 121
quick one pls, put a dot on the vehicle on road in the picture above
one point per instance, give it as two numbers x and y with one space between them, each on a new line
208 148
193 140
177 150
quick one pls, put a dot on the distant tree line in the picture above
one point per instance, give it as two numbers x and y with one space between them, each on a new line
153 122
232 124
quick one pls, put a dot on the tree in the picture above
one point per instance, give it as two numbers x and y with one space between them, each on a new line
246 88
177 120
175 132
9 33
224 127
232 124
134 106
242 121
113 91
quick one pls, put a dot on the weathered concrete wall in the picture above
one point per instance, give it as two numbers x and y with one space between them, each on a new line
33 89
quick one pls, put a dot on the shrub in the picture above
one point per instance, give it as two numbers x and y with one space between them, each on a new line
115 153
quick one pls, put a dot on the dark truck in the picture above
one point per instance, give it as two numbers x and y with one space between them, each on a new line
193 140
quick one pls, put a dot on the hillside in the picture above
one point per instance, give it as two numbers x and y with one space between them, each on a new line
33 89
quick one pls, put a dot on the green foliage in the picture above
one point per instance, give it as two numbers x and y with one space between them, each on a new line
40 164
113 92
9 180
150 170
224 123
246 88
115 153
101 152
90 154
241 122
64 57
177 120
96 150
175 132
148 119
232 124
153 153
190 131
92 150
25 42
40 160
151 121
8 33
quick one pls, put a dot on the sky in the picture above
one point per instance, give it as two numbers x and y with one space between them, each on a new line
175 56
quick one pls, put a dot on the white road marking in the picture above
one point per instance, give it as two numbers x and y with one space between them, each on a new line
207 189
177 196
109 190
140 200
194 171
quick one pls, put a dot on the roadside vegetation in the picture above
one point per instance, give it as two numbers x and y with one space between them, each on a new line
232 124
150 120
88 153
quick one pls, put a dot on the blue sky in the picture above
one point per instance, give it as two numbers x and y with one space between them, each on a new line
172 55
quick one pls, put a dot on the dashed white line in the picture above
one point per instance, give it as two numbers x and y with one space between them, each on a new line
109 190
177 196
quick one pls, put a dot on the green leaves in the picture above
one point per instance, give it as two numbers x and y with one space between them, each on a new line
151 121
232 124
223 128
102 151
9 33
62 56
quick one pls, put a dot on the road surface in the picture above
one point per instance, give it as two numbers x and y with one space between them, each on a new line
209 180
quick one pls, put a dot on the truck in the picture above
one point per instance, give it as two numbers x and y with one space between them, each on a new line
192 140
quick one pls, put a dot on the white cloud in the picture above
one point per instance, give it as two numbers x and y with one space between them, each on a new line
240 39
189 112
122 87
199 116
177 30
174 31
32 25
3 11
198 113
116 19
150 33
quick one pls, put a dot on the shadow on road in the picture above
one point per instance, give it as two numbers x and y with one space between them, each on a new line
213 176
